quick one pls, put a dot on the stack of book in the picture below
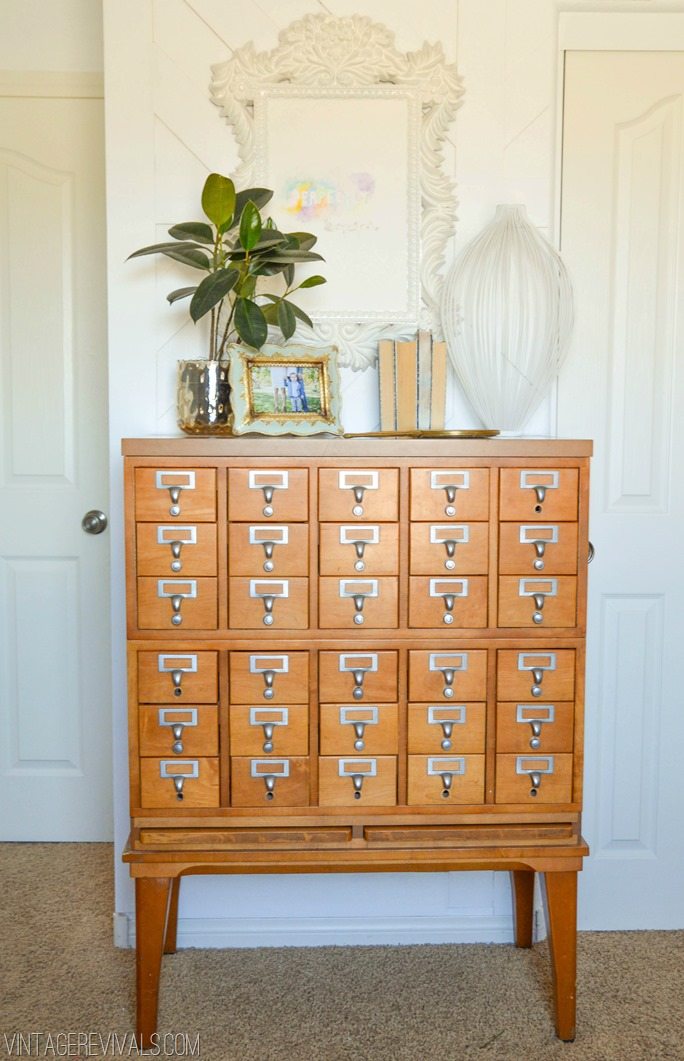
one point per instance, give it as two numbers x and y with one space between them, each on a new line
412 384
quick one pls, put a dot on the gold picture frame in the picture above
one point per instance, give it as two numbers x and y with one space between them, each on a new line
285 390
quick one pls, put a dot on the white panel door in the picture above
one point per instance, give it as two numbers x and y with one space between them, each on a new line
623 242
55 710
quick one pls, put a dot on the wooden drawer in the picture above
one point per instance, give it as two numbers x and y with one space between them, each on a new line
265 549
359 601
175 549
533 727
269 782
274 677
449 548
458 602
446 779
178 677
449 494
538 674
530 548
538 494
376 777
515 782
178 731
356 549
440 729
538 600
444 676
168 603
359 729
264 729
367 676
176 495
200 777
358 493
249 599
274 494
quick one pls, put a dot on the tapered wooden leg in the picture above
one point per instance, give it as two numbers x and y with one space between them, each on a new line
522 884
152 896
172 918
560 898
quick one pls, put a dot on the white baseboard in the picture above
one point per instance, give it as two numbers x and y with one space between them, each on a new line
329 931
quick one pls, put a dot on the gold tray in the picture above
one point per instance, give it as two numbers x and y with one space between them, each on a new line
475 433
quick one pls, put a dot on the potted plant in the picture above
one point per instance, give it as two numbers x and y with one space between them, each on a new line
236 249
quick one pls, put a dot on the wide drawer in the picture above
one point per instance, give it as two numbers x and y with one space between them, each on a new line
352 729
445 600
533 727
358 493
530 548
538 494
178 731
271 603
543 601
449 494
445 779
274 494
445 676
449 548
264 549
178 677
272 677
541 674
176 549
169 603
354 602
265 729
533 778
357 781
175 494
269 782
368 676
179 782
355 549
435 729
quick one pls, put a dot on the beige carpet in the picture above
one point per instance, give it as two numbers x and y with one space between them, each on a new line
59 972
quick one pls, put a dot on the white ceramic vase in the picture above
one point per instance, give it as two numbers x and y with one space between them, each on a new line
507 317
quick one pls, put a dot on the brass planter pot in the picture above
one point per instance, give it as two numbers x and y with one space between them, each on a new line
203 396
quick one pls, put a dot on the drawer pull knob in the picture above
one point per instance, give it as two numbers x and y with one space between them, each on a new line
269 676
268 609
535 780
177 678
359 718
538 599
458 480
446 769
535 739
358 483
176 601
277 480
538 589
178 783
173 770
447 730
176 547
450 546
268 553
360 548
357 770
273 770
177 746
358 676
534 767
268 728
359 664
174 494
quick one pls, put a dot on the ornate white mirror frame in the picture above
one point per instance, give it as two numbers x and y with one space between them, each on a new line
306 117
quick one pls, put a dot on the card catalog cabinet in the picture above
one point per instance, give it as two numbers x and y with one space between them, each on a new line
356 655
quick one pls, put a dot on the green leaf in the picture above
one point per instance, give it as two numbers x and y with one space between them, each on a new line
250 323
180 292
301 315
218 199
270 237
195 258
271 314
161 248
288 256
247 287
289 274
258 196
305 240
287 322
212 289
250 226
196 230
313 281
260 268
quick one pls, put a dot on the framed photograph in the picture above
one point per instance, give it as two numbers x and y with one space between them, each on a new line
289 390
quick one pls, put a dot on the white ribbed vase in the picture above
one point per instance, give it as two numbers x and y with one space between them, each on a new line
507 317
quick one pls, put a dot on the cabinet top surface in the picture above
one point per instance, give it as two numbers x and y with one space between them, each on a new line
256 446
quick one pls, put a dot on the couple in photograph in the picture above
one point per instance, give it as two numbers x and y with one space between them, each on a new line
287 382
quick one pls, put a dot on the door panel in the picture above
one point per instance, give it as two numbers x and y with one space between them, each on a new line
622 240
55 743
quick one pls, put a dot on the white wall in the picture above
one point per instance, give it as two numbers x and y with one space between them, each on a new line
163 135
64 35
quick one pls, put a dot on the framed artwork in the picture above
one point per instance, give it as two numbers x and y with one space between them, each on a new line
349 132
289 390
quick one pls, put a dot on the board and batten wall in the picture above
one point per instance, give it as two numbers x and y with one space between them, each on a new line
163 136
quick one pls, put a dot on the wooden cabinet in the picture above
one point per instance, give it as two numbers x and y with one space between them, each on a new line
349 655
